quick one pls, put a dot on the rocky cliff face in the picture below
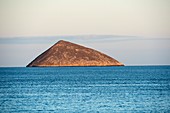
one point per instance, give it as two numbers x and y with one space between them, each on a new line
65 53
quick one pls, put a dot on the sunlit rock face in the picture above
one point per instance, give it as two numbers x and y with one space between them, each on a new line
65 53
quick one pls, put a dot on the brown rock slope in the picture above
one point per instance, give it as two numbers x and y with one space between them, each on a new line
65 53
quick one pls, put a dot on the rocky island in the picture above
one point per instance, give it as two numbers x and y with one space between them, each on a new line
65 53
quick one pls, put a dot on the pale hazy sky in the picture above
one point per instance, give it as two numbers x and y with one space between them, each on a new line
135 32
72 17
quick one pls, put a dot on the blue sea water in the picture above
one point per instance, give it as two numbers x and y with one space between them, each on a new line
85 89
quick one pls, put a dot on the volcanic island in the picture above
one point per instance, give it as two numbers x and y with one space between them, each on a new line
65 53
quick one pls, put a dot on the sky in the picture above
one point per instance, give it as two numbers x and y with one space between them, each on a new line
135 32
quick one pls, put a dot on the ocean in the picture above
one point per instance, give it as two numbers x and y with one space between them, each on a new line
85 89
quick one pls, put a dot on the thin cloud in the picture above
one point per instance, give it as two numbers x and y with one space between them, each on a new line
76 38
